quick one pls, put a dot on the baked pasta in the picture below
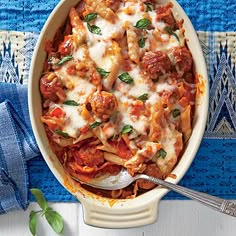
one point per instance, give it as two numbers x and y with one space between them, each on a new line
118 90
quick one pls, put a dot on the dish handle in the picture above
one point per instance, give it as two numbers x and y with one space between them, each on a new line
120 217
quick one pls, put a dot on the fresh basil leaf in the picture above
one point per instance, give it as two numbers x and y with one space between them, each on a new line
95 124
63 60
90 17
63 134
143 97
162 153
38 195
143 23
175 113
55 220
149 6
71 103
102 72
127 129
94 29
125 77
141 42
33 222
170 32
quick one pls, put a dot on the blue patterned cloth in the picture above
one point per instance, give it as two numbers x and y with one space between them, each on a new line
214 168
17 145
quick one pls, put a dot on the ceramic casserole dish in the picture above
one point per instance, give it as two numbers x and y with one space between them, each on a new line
100 211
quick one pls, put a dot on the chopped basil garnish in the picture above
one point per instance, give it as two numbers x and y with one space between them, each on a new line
95 124
63 134
63 60
149 6
125 77
94 29
143 23
162 153
141 42
175 113
90 17
71 103
170 32
143 97
127 129
102 72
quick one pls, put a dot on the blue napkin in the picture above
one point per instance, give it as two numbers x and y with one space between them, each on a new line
17 145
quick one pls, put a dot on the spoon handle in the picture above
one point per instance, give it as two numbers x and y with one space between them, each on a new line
216 203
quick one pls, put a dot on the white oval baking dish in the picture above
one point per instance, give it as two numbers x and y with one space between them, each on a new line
98 211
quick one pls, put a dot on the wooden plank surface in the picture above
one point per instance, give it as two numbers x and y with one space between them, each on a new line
176 218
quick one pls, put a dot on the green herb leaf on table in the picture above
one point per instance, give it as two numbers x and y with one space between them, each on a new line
95 124
94 29
102 72
71 103
141 42
126 78
63 60
175 113
143 23
171 32
143 97
55 220
90 16
61 133
162 153
38 195
33 222
127 129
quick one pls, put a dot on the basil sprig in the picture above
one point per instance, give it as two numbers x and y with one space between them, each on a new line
53 217
126 78
171 32
95 124
63 60
127 129
175 113
102 72
90 17
71 103
143 23
63 134
162 153
141 42
94 29
143 97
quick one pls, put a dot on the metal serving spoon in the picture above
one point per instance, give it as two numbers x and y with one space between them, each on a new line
123 179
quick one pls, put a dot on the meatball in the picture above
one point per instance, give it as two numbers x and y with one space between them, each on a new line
183 58
89 155
51 88
103 104
156 63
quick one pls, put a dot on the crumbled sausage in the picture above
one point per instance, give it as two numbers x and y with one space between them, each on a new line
156 63
164 14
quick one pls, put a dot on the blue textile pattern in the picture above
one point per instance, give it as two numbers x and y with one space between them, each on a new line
214 168
17 145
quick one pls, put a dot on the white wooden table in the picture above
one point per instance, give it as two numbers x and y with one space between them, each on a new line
176 218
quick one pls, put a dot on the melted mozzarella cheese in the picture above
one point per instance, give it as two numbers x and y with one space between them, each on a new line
73 120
